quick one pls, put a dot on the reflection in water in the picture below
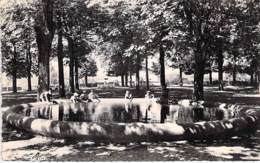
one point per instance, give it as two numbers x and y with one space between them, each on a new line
173 113
164 113
151 112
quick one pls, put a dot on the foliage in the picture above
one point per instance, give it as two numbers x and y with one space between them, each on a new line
88 68
13 63
18 40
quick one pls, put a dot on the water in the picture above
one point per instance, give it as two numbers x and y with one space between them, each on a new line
121 113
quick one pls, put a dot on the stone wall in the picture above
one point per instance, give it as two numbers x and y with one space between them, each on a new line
129 132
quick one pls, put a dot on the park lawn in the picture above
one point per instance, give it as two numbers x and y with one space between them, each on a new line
17 145
243 95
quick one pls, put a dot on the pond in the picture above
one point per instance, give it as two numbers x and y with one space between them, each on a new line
120 112
119 120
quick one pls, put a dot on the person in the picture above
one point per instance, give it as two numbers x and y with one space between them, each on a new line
128 102
222 112
148 104
198 111
83 96
93 97
46 96
148 95
75 97
128 96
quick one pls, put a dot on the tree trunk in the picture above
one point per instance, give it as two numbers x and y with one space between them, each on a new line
126 79
234 73
71 65
137 78
60 60
147 73
200 53
14 70
220 59
29 82
210 77
258 73
131 80
29 75
164 95
252 78
137 73
44 30
29 65
181 81
76 74
198 83
122 81
44 47
86 80
258 80
14 83
234 76
162 68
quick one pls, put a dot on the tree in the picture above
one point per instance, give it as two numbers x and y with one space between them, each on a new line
80 24
120 33
199 20
114 58
18 31
82 52
180 57
59 16
18 43
155 16
221 36
14 63
44 30
155 68
29 44
147 73
244 37
88 68
250 35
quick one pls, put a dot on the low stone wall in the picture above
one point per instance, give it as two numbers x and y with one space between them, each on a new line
129 132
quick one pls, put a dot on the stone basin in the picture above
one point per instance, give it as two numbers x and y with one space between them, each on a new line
118 120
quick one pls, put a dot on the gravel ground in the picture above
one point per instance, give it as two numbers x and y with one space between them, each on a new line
31 148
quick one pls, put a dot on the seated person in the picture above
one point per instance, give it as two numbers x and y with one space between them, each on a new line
46 96
198 111
128 96
148 95
93 97
83 96
75 97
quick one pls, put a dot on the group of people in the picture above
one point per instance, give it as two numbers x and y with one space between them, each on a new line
91 97
129 96
46 96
